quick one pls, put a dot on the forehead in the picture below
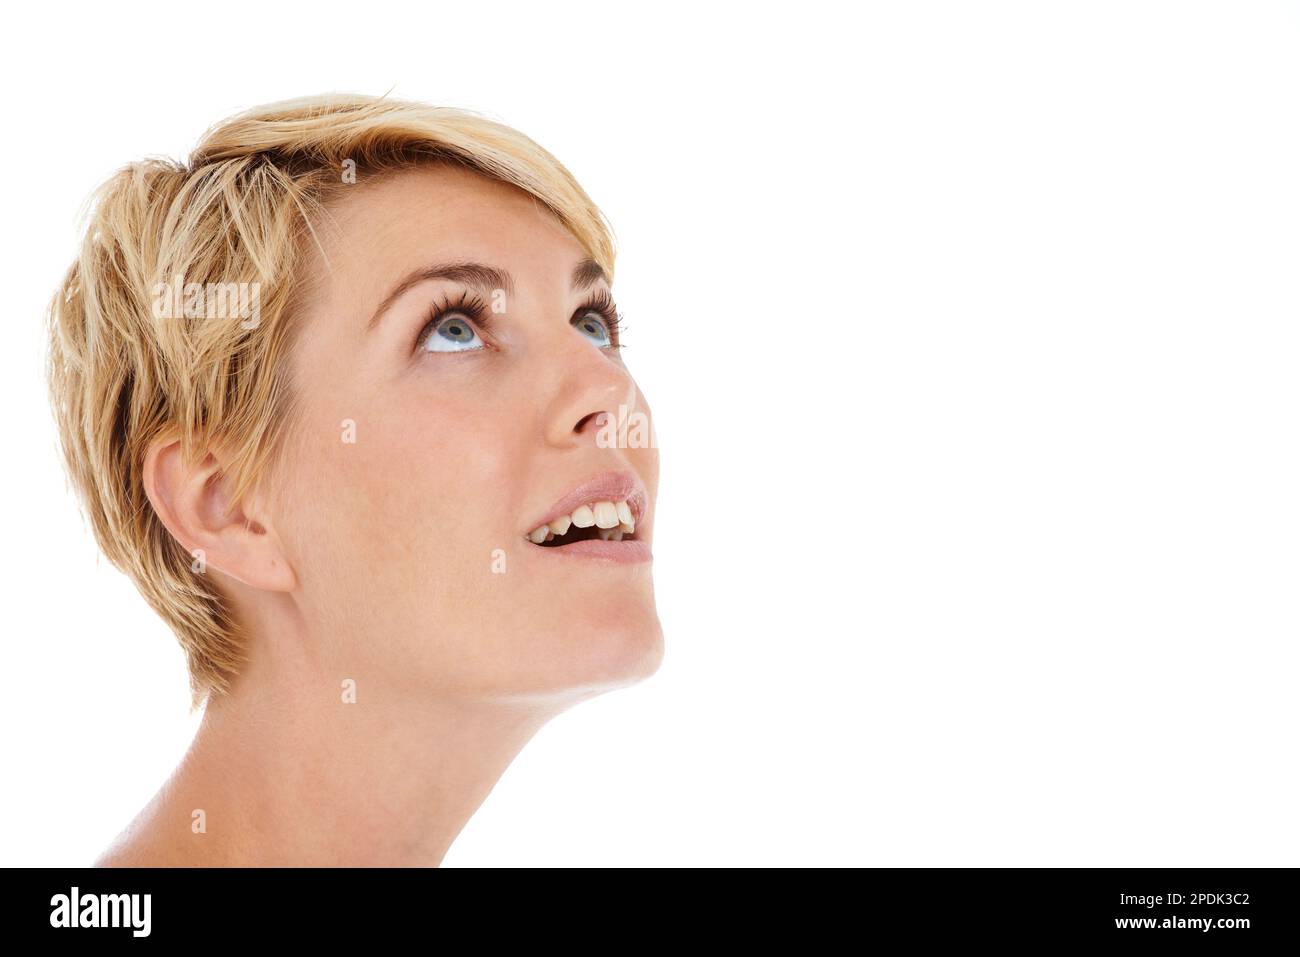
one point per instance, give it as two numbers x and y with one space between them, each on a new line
370 237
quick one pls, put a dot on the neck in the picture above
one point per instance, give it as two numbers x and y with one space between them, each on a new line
289 773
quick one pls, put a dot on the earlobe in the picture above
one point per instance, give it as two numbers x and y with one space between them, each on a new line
194 501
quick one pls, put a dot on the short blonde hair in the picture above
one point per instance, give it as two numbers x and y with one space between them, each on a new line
240 210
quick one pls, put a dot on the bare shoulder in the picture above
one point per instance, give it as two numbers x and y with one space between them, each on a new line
142 843
127 850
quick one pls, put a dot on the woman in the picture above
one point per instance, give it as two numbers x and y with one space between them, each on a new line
343 395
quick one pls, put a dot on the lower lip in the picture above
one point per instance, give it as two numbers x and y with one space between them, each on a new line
622 553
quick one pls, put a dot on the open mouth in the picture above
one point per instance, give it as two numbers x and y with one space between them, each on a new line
606 521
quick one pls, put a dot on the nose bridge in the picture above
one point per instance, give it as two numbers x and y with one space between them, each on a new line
589 382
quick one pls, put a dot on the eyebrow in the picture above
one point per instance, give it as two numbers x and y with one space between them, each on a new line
587 273
477 275
487 279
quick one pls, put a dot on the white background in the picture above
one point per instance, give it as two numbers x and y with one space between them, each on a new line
971 333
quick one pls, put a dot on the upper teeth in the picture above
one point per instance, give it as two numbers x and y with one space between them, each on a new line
614 519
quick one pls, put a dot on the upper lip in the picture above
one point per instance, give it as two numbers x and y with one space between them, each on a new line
614 486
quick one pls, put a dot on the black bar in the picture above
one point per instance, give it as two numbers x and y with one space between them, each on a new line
1243 908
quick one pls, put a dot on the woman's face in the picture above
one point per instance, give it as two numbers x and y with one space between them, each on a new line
446 414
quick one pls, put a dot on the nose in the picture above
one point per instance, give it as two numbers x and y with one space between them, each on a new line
593 386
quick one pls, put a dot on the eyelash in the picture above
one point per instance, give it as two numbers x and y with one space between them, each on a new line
470 305
602 303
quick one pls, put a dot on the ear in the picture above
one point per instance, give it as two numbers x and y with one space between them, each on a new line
193 502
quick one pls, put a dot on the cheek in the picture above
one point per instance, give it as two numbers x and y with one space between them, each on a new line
410 496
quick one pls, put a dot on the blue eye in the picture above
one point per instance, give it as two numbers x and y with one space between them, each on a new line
591 324
452 334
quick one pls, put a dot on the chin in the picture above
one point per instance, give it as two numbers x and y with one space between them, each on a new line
637 654
580 662
618 644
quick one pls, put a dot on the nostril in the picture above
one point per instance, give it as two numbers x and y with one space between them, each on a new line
592 420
